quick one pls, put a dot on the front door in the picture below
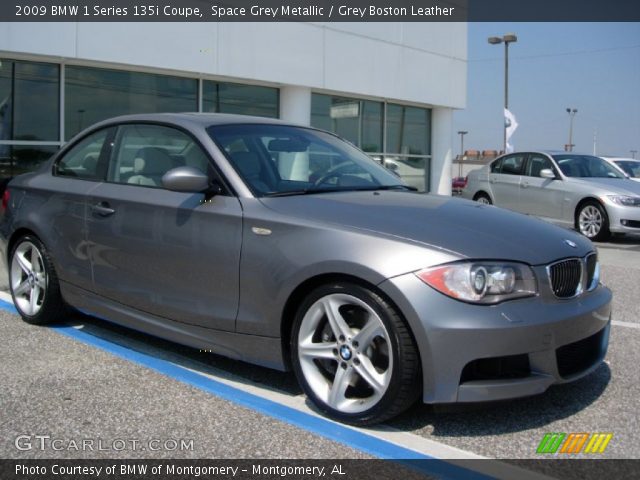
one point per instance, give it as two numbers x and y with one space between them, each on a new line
171 254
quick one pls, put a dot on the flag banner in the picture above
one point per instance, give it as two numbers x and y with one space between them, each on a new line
511 125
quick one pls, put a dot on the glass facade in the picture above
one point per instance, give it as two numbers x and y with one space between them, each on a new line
399 137
31 111
29 101
223 97
94 94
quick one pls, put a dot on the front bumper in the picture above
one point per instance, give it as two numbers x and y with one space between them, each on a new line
473 353
623 219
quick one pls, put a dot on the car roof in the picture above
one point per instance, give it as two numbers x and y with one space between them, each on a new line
204 119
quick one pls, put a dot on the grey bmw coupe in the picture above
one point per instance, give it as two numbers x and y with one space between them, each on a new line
286 246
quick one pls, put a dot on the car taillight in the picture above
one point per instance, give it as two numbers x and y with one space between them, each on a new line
5 199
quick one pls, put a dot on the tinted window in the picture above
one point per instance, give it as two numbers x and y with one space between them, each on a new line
408 130
144 153
536 164
631 168
586 166
82 161
495 166
274 159
94 94
359 121
241 99
512 165
29 106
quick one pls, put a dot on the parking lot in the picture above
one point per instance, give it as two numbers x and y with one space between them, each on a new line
88 379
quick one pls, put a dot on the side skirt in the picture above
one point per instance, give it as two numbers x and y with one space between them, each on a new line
264 351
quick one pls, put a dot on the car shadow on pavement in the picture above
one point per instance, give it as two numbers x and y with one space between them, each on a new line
479 419
494 418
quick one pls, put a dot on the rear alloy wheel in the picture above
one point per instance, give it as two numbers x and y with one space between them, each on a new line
354 356
33 282
483 198
592 221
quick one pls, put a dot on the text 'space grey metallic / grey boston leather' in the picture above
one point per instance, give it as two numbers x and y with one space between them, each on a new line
287 247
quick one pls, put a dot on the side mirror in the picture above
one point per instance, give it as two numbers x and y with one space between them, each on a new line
547 173
185 179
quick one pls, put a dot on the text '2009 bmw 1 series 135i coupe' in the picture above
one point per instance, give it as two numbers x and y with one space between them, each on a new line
287 247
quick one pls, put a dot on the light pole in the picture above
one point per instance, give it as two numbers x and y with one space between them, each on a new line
633 153
572 113
462 133
506 39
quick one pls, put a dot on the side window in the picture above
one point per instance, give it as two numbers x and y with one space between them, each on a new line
81 161
537 163
144 153
512 165
495 166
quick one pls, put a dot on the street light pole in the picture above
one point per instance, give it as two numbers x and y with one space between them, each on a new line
506 39
462 133
572 113
633 153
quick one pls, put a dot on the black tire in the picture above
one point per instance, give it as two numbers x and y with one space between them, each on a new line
592 221
49 304
404 371
483 198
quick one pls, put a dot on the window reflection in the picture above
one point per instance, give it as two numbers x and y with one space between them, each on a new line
15 160
94 94
29 101
222 97
408 130
359 121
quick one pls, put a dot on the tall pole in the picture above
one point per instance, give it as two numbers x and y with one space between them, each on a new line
506 93
633 153
572 113
506 39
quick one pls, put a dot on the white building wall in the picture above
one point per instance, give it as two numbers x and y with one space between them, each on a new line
424 64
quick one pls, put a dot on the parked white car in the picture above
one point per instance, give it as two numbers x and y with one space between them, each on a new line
630 166
570 189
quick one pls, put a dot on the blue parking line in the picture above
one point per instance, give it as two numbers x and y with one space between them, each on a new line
320 426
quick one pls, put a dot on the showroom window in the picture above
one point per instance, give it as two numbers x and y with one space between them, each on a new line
400 139
221 97
94 94
359 121
29 115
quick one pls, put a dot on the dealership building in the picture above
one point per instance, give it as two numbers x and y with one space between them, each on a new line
389 88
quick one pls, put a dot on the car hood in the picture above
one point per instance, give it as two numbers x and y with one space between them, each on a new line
616 186
467 229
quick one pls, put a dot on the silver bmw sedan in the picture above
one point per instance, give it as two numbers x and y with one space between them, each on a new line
286 246
573 190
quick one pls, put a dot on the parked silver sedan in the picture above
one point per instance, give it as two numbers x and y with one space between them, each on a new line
287 247
580 191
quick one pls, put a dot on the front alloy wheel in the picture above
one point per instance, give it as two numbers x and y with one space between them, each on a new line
593 221
33 282
354 356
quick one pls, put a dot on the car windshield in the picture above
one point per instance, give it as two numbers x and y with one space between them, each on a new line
277 160
586 166
630 167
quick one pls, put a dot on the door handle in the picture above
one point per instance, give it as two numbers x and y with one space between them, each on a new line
103 209
525 185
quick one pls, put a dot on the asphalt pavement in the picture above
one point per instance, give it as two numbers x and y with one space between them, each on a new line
57 385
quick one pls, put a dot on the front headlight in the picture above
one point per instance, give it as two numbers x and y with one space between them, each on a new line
625 200
481 282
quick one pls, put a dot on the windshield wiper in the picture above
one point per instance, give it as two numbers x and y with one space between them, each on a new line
308 191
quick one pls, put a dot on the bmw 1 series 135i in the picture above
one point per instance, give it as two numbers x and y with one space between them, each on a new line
288 247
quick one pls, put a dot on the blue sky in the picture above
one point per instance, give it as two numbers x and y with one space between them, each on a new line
594 67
